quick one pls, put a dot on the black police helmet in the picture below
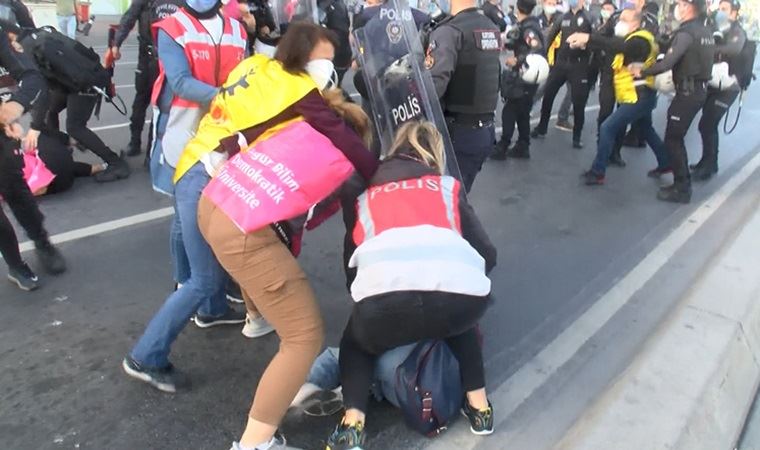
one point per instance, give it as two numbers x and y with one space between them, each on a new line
8 21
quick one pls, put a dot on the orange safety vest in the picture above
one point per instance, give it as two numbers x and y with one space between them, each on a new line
210 62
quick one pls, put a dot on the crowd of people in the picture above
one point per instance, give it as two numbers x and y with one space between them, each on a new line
255 142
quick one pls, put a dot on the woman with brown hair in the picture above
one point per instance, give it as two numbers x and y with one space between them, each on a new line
263 99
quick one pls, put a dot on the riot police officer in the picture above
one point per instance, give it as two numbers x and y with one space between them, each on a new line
492 10
690 57
146 12
17 66
463 59
528 39
571 64
730 40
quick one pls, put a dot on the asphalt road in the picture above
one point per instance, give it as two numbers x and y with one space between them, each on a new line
560 245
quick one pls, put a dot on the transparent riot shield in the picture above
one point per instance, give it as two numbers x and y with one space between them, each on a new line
287 11
399 87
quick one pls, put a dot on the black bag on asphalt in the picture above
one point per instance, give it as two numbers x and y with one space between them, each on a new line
66 61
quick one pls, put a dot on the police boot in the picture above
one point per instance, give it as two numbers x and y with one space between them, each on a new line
500 151
116 171
616 159
520 150
679 192
632 140
133 148
704 172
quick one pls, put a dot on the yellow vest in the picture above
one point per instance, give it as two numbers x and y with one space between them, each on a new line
625 88
551 53
257 90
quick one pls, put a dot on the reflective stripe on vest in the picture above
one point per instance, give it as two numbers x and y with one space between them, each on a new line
429 200
552 52
625 85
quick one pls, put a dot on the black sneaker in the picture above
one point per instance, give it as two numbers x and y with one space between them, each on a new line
234 293
659 171
500 151
231 317
133 149
24 278
536 133
481 422
674 194
617 160
116 171
564 125
591 178
519 151
577 144
161 379
704 172
50 258
346 437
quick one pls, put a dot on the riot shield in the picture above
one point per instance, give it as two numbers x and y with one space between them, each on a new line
287 11
400 89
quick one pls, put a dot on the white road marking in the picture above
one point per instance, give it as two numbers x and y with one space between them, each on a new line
520 386
104 227
111 127
124 86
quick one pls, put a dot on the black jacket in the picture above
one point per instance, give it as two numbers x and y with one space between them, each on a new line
21 68
397 169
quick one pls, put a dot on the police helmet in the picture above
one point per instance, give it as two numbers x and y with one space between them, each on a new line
535 70
664 82
721 79
8 20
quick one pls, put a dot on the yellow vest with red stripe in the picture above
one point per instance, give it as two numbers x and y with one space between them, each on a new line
209 61
552 52
625 85
257 90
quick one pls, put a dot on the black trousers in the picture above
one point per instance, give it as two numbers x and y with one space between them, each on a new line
386 321
606 98
21 202
716 105
79 108
472 146
577 74
516 111
145 76
681 113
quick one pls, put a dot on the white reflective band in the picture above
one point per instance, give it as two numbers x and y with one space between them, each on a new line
640 82
447 192
365 217
242 141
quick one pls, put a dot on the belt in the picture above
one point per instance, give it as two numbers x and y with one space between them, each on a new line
473 120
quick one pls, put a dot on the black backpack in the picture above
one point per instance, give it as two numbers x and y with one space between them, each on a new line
744 63
66 61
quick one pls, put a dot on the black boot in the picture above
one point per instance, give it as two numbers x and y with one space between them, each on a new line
675 193
616 159
704 172
133 148
116 171
50 258
520 150
500 151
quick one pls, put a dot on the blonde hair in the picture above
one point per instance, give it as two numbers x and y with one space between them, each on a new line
424 139
350 112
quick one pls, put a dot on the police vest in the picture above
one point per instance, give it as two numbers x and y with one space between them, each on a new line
154 11
257 90
697 62
474 85
625 85
409 238
209 61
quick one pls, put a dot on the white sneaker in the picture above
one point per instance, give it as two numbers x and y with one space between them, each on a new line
256 327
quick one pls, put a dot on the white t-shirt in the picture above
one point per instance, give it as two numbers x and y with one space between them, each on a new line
215 27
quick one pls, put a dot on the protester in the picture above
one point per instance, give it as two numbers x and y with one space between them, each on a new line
416 260
66 11
262 261
192 66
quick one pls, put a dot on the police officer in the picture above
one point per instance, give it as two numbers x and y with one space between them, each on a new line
492 10
336 19
463 60
20 67
690 56
519 97
571 64
729 43
146 12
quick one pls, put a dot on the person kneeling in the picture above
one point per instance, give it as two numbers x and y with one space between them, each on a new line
417 259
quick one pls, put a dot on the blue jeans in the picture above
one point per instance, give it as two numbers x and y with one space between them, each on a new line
612 130
204 288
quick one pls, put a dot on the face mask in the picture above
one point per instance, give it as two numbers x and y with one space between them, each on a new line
550 10
605 14
621 29
677 14
202 6
572 4
722 20
321 71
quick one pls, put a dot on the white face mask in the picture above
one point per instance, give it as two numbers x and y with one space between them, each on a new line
677 14
605 14
321 71
550 10
621 29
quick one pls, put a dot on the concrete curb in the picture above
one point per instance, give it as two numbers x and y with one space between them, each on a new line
692 385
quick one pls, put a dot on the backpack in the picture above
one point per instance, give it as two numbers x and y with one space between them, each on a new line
744 63
429 387
66 61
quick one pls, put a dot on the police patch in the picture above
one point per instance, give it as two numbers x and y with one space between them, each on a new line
580 21
487 40
394 31
429 59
